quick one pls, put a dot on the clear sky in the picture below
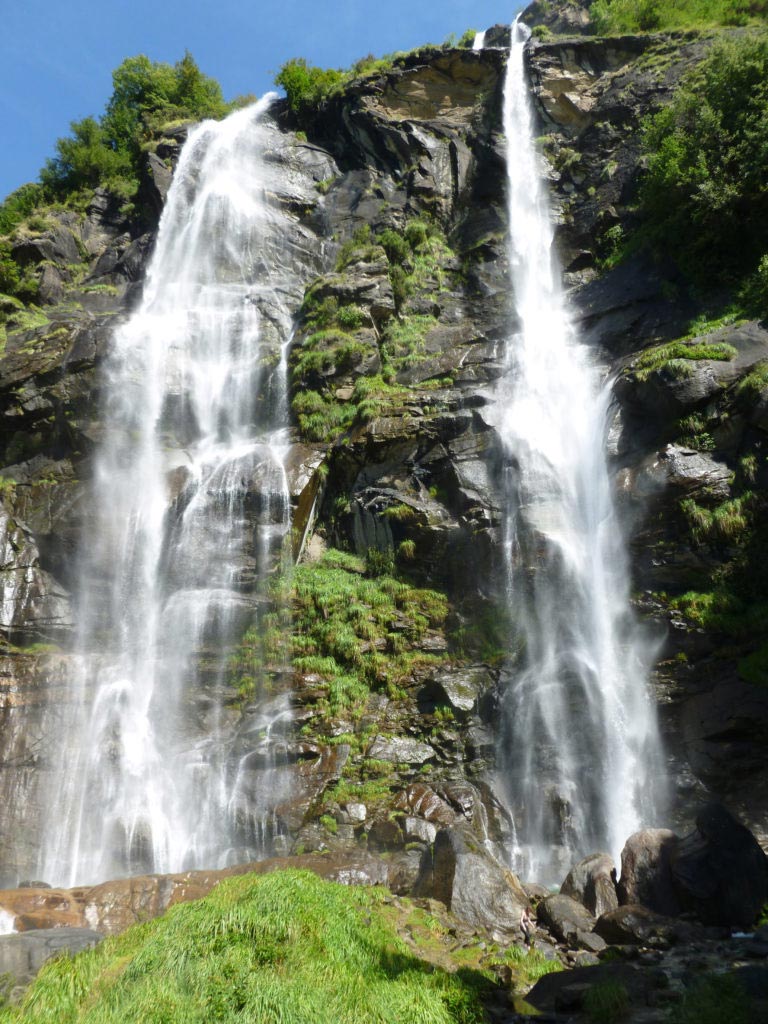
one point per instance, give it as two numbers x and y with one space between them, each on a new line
57 56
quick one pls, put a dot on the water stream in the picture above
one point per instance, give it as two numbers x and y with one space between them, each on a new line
580 744
190 503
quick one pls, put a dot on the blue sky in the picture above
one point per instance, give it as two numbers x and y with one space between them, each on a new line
56 57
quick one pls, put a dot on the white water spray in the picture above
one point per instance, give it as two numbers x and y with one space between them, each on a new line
580 744
190 501
479 41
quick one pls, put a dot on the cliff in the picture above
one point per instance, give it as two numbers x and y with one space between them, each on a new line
399 223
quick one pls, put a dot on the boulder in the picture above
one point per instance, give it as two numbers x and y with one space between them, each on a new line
558 991
22 956
719 870
570 922
646 876
592 882
463 875
635 925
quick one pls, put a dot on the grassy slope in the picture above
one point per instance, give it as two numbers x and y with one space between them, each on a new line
285 947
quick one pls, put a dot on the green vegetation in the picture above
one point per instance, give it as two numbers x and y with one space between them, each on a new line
705 195
716 999
416 259
607 1003
281 947
725 524
357 632
146 94
612 17
528 965
675 357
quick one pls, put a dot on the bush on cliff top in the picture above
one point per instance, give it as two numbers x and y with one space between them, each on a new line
616 16
285 947
107 151
705 195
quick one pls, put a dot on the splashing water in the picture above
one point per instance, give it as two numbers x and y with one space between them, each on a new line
580 742
190 503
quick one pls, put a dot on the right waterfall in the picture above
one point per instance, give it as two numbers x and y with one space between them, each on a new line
581 756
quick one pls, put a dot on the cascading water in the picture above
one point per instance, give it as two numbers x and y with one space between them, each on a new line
580 741
190 501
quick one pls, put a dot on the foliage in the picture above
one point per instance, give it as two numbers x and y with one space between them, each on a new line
145 94
606 1003
676 355
617 16
713 1000
705 194
359 632
725 523
285 947
19 205
528 965
306 86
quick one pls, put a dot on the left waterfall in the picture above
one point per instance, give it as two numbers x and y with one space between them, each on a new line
191 508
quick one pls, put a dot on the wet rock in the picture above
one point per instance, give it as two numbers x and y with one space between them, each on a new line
31 600
719 870
422 801
460 689
461 873
416 830
400 750
22 956
646 876
569 921
592 883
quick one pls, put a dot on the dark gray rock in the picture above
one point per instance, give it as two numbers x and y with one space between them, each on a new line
592 882
636 925
22 955
549 992
569 921
463 875
719 870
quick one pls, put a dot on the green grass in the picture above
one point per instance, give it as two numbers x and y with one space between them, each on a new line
676 356
528 965
714 1000
606 1003
613 17
356 632
284 948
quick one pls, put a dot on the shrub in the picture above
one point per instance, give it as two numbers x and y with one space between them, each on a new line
107 151
616 16
306 86
705 195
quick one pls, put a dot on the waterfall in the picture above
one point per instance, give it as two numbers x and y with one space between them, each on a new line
190 507
580 745
479 41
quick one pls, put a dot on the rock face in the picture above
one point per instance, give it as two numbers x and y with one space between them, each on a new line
394 456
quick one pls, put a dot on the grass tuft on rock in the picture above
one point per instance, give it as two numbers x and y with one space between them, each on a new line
283 948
